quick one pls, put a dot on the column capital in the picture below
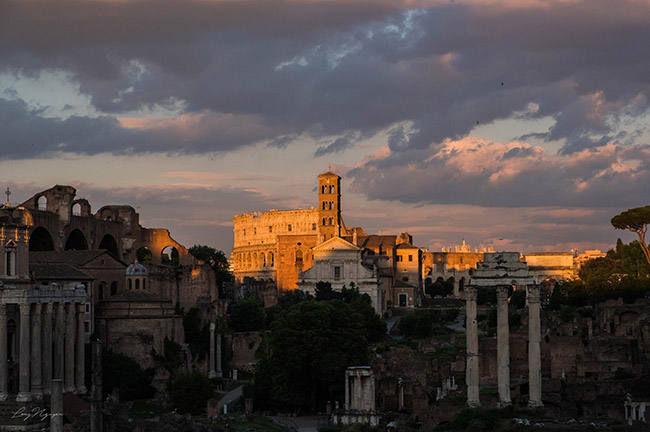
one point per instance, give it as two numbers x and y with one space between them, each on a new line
471 292
533 294
503 291
25 308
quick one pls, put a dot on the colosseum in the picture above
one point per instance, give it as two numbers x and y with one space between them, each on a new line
276 245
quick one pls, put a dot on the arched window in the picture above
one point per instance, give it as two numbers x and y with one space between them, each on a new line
323 189
137 284
42 203
76 209
144 284
114 288
324 205
271 259
263 260
298 257
130 284
331 189
100 291
324 221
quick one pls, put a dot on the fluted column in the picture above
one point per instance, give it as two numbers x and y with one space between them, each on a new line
59 332
80 357
23 383
70 330
37 385
46 361
534 354
212 373
472 372
3 353
503 346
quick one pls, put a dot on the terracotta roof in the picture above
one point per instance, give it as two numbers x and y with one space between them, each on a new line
75 258
328 173
374 241
57 272
406 246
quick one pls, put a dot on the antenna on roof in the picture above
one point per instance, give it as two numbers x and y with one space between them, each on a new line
8 192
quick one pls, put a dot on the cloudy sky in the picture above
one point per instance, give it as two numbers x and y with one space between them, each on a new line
520 124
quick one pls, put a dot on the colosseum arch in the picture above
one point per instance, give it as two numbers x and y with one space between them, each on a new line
108 242
41 240
76 241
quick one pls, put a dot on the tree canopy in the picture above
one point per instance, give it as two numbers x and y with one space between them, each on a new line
215 258
635 220
310 345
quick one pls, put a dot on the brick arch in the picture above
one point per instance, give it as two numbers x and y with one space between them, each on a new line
76 240
41 240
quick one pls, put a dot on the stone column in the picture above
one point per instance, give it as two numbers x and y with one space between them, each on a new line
96 388
3 353
347 392
69 352
80 367
212 373
56 406
37 386
534 355
59 332
23 383
503 346
46 361
219 371
472 372
357 400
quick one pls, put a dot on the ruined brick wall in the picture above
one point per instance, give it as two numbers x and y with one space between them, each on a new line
244 347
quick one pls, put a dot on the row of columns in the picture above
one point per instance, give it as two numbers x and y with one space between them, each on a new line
503 347
51 346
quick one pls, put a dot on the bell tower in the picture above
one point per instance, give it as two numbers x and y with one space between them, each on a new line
329 205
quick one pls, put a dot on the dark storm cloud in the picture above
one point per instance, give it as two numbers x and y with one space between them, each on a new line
257 71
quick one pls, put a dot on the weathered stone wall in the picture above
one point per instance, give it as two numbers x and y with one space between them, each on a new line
288 268
244 347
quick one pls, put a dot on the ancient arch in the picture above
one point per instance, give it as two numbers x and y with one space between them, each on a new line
76 209
108 242
76 241
114 288
169 256
41 240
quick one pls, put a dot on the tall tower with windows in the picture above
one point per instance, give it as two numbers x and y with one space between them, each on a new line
329 205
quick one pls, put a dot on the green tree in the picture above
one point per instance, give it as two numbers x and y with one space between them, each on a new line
172 357
247 315
216 259
124 374
440 287
635 220
190 392
417 324
324 291
310 345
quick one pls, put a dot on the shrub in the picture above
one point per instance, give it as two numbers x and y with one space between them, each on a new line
190 392
247 315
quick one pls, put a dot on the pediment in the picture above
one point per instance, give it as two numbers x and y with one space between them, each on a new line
10 243
336 243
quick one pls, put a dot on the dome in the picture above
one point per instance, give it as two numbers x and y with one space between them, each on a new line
22 216
136 269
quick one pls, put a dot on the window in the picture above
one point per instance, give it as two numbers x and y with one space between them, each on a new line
313 227
244 231
410 258
270 228
337 273
324 205
10 262
137 284
144 284
399 258
324 221
298 257
87 308
331 205
254 231
331 189
289 228
130 284
405 278
86 327
323 189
